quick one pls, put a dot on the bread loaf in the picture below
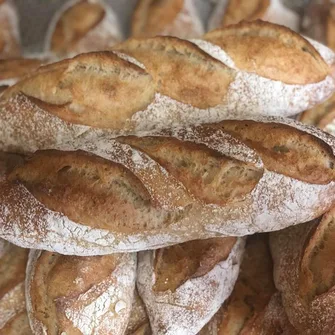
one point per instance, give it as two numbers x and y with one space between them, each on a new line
184 285
228 12
132 193
254 307
9 31
83 26
92 90
79 295
304 272
14 69
13 315
175 18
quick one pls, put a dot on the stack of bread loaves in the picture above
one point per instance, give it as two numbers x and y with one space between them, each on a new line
136 175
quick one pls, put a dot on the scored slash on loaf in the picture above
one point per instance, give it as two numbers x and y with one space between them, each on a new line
254 68
101 195
184 285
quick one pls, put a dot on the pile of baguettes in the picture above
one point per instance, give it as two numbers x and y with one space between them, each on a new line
134 176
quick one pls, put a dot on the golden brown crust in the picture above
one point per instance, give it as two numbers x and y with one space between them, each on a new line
239 10
304 272
74 24
181 70
316 115
317 264
177 264
18 68
90 190
271 51
292 157
62 287
151 17
91 89
218 180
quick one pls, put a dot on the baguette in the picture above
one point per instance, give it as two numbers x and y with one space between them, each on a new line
254 307
82 26
176 18
13 315
232 178
182 84
9 30
184 285
14 69
79 295
234 11
304 273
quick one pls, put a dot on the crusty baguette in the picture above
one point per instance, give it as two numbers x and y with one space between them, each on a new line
9 31
79 295
254 307
13 315
83 26
14 69
304 272
175 18
138 321
228 12
184 285
132 193
93 90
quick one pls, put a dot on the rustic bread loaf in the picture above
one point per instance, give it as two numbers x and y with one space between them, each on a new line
254 307
9 30
180 84
184 285
234 178
304 272
228 12
13 315
175 18
15 69
79 295
83 26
